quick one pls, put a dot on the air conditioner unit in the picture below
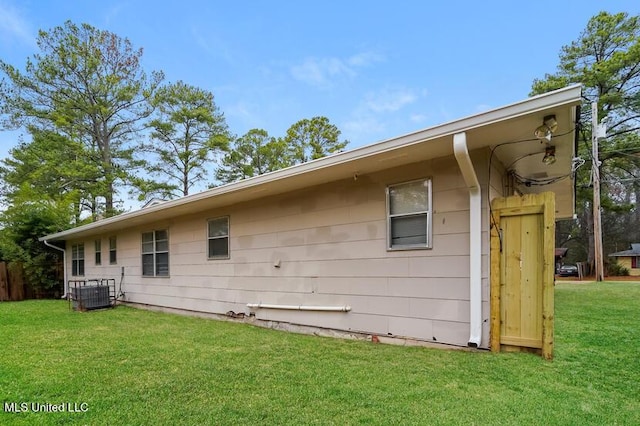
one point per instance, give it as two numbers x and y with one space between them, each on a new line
90 297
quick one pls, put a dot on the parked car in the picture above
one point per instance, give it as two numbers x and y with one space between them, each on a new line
568 271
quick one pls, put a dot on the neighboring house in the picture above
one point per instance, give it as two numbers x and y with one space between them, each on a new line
629 259
390 239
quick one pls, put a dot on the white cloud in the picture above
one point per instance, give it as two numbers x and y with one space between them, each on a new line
389 100
245 115
382 114
418 118
364 59
213 45
360 129
14 27
363 125
321 72
240 109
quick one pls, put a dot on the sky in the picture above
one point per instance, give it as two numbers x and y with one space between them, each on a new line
377 69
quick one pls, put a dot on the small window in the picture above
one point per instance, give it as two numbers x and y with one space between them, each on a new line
113 254
98 245
155 254
77 259
218 238
409 215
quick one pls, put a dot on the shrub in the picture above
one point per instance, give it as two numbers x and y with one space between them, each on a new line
614 269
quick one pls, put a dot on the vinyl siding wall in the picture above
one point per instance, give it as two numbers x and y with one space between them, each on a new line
330 244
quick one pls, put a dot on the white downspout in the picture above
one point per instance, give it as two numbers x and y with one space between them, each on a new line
64 266
475 237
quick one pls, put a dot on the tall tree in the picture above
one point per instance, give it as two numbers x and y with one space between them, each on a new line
46 187
88 85
50 167
314 138
605 59
253 154
186 133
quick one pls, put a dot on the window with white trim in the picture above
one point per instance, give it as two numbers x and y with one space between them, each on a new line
113 254
155 253
98 251
409 215
218 238
77 259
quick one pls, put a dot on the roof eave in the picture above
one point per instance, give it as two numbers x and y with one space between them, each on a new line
565 96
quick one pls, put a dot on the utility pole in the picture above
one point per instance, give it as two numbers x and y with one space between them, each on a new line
596 131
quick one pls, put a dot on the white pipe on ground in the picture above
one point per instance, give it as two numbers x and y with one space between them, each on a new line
461 153
300 307
64 266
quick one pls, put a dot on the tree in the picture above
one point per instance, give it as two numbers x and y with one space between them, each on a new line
20 227
88 85
256 152
50 167
47 186
314 138
187 131
606 61
253 154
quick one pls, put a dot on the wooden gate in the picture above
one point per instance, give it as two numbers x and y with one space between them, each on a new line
522 273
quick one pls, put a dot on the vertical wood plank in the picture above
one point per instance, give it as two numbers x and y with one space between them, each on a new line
4 282
16 282
531 283
511 307
548 274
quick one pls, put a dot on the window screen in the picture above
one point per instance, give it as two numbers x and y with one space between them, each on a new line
218 238
155 253
409 215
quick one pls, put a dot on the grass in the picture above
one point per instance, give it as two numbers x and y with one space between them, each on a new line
138 367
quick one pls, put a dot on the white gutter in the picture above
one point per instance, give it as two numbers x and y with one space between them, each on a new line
557 98
300 307
64 266
475 237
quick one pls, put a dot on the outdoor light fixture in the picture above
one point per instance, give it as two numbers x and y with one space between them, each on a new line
549 125
549 155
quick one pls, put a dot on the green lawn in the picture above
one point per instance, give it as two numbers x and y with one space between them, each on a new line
134 367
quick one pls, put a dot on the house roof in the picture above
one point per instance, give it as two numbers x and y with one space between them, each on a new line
634 251
497 127
153 202
561 252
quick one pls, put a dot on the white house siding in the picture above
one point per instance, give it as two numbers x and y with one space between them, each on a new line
330 243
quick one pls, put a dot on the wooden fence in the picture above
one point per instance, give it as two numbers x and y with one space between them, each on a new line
11 283
13 286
